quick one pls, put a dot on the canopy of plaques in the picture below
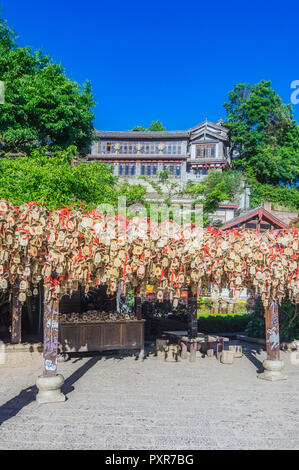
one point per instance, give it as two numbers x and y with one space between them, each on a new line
67 248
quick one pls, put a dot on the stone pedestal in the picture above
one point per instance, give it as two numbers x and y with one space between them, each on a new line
272 370
49 389
237 350
172 353
227 357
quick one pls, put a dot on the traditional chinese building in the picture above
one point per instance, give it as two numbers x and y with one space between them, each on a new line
188 155
257 218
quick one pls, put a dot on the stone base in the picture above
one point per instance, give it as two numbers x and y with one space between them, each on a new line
272 371
172 353
237 350
227 357
49 389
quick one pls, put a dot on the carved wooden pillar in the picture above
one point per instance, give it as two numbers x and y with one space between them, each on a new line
272 331
272 365
50 338
50 383
16 315
192 314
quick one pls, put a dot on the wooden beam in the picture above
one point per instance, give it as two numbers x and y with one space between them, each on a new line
272 331
16 316
50 338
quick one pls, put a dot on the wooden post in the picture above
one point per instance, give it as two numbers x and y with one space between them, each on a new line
138 307
50 338
50 383
16 316
138 313
40 307
272 331
272 365
192 315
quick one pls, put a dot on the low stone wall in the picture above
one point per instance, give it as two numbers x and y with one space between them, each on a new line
16 355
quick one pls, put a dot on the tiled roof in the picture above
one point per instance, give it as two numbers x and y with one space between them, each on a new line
135 156
243 217
142 135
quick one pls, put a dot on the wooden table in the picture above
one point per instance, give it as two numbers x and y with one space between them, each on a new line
184 340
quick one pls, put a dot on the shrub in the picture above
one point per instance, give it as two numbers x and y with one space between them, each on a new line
222 323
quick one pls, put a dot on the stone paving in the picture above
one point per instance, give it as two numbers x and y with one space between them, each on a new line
123 403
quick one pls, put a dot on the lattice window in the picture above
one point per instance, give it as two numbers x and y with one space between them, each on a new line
206 150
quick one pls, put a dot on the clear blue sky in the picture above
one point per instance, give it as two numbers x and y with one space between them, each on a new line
167 60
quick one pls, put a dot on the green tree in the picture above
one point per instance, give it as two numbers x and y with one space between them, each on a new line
41 104
133 192
51 180
164 186
264 133
287 197
154 127
214 189
139 129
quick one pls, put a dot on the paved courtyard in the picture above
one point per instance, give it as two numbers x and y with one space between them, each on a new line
123 403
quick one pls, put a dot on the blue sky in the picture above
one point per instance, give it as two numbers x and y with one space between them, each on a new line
167 60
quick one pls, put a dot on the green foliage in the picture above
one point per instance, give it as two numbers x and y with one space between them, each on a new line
164 186
216 187
206 306
155 126
256 323
196 189
41 104
139 129
222 323
263 131
133 192
51 180
287 197
229 181
288 321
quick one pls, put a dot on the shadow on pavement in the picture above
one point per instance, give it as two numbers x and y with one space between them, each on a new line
16 404
250 353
